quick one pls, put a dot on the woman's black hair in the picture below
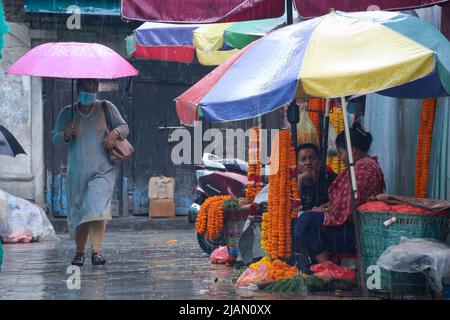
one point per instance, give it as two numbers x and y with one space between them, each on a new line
308 146
81 82
359 138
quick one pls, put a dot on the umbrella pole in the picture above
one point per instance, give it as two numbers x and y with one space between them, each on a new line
293 116
72 101
290 17
354 195
323 152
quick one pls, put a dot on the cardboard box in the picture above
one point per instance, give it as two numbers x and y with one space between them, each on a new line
161 208
161 188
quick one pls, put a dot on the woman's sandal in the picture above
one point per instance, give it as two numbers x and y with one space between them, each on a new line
79 259
97 258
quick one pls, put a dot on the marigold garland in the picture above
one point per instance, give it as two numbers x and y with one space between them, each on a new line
424 147
315 107
254 183
264 234
280 270
278 244
210 217
337 122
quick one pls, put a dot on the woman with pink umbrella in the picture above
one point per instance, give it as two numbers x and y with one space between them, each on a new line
90 127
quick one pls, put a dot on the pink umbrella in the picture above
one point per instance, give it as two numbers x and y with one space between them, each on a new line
73 60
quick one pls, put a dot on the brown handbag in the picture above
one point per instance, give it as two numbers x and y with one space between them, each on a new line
122 148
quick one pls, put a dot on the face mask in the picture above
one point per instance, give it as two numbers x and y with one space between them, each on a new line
87 98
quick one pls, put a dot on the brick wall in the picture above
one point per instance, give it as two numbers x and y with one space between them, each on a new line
14 11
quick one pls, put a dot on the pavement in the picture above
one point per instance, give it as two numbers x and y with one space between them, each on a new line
146 260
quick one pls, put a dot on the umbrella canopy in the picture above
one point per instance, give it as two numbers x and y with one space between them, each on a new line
314 8
73 60
213 43
336 55
9 146
197 11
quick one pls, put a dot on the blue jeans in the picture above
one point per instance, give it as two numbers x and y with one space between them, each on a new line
310 232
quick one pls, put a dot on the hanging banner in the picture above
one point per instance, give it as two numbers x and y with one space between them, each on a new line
201 11
315 8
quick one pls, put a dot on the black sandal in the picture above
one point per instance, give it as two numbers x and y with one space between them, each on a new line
79 259
97 258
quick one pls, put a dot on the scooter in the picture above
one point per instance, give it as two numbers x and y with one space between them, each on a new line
217 176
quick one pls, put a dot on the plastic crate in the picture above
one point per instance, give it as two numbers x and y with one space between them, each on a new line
375 238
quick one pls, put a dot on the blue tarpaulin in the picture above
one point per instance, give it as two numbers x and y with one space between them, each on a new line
3 27
94 7
439 176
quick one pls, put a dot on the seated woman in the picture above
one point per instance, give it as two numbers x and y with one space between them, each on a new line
329 228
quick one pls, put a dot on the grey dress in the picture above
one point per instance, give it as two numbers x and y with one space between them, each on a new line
90 174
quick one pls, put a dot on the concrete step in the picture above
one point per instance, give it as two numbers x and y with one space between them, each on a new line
134 224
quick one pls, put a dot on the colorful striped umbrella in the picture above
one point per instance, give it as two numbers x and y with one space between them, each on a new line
212 43
336 55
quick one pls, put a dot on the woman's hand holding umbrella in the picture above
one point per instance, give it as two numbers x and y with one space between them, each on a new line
70 131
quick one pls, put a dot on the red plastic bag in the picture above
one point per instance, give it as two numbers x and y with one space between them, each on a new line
329 270
18 237
254 276
220 256
403 208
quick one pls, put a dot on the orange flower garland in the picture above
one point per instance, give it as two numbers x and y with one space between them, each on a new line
424 147
280 270
264 234
315 106
337 122
210 217
280 188
295 197
254 183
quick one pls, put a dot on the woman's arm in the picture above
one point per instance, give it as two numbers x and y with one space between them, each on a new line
120 127
61 122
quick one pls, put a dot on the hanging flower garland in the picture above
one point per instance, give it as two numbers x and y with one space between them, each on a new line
278 243
315 106
337 122
254 181
424 147
264 229
210 217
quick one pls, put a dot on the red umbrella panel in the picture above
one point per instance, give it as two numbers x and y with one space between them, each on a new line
201 11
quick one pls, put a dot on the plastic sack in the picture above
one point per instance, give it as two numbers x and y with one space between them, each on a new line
253 276
306 131
220 256
329 270
263 195
250 242
332 149
417 255
20 219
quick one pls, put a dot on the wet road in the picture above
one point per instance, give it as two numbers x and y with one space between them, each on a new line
149 264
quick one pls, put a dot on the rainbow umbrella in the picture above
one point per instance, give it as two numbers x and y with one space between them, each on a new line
336 55
211 43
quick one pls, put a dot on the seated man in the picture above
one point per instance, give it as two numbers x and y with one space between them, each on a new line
311 194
